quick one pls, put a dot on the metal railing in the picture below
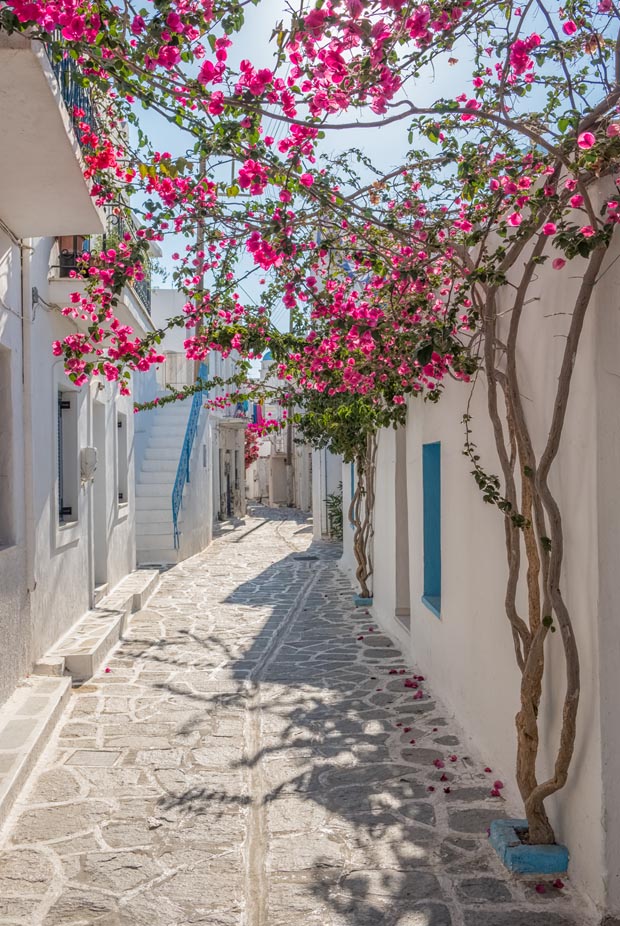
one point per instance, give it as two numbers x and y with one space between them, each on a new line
182 477
120 223
73 90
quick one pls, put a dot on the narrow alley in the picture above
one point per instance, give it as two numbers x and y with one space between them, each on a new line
256 753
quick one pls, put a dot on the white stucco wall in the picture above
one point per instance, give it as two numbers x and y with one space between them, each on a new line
15 633
48 576
467 653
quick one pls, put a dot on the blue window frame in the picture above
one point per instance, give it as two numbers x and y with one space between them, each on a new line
431 489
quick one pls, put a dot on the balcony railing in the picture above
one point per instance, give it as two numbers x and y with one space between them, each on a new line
74 92
118 225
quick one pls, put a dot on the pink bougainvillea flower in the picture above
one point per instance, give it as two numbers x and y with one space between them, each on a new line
498 784
613 130
406 729
431 788
586 140
418 696
439 763
108 669
541 889
488 770
549 228
399 724
576 201
557 264
495 792
444 777
558 883
453 758
587 231
412 742
569 27
447 790
515 219
306 180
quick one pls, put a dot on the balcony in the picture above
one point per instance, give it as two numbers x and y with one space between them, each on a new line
42 189
135 305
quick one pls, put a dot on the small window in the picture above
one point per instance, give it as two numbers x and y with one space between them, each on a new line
67 466
431 482
121 458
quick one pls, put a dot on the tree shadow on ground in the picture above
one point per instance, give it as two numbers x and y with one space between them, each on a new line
358 818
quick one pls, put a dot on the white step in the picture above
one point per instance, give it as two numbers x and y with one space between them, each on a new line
159 466
165 430
135 588
162 453
87 644
164 555
164 478
161 528
153 515
156 541
27 720
148 501
168 443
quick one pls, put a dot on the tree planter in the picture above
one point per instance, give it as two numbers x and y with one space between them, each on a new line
360 602
521 858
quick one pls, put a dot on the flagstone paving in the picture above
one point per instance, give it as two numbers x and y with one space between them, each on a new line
254 754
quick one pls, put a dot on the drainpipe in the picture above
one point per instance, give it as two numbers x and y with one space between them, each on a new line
25 251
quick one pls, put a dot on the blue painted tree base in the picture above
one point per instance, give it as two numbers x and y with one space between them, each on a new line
521 858
360 602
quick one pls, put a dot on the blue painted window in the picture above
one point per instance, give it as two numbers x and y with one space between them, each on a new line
431 487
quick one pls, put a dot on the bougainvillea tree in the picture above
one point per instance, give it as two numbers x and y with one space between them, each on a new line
398 276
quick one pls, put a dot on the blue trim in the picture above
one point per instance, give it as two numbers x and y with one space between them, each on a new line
182 476
431 491
433 603
525 859
352 468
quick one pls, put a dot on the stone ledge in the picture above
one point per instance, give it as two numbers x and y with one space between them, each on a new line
89 641
524 859
27 720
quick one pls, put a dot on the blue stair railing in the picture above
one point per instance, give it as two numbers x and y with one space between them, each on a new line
182 476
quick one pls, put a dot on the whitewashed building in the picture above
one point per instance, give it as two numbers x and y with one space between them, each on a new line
440 567
282 475
67 513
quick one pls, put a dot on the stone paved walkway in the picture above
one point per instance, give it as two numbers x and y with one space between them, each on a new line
252 756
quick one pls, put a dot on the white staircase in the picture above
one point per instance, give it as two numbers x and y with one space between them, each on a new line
154 484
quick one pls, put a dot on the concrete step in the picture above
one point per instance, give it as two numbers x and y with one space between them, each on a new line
135 589
100 592
162 540
163 556
89 641
165 442
159 466
153 515
27 721
154 501
162 528
171 430
163 477
162 453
